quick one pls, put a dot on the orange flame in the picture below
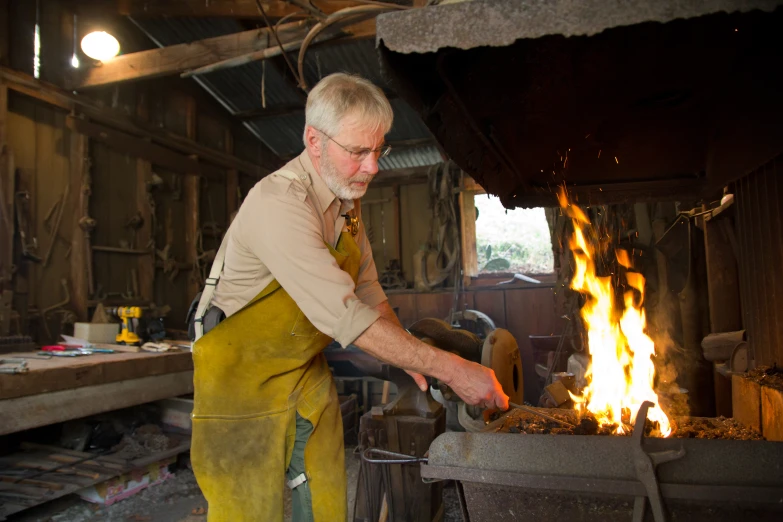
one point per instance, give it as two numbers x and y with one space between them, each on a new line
621 371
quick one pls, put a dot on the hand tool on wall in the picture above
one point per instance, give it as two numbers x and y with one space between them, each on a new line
29 242
130 316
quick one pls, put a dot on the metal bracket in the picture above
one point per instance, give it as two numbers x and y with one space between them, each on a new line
645 464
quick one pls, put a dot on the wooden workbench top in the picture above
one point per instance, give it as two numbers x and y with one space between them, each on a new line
65 373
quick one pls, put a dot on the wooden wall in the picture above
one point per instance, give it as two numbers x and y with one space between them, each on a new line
523 310
407 223
45 144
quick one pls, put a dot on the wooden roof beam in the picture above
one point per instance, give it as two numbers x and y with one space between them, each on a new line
201 8
51 94
175 59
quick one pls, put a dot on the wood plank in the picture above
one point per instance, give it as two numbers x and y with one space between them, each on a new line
7 203
467 217
140 148
63 373
201 9
232 182
402 176
191 189
24 413
746 401
145 234
772 413
176 59
530 312
5 32
437 305
81 255
492 303
53 95
396 203
406 307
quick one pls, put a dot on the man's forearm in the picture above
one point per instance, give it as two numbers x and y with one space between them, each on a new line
388 313
390 343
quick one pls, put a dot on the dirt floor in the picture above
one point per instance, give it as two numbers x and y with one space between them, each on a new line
178 499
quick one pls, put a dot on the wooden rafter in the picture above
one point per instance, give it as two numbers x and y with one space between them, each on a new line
201 8
51 94
209 54
403 176
175 59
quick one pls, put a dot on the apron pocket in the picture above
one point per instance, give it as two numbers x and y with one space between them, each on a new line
304 328
240 464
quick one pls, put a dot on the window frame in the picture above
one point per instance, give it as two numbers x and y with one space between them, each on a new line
468 191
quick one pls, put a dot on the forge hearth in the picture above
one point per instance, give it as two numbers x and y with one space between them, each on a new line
553 477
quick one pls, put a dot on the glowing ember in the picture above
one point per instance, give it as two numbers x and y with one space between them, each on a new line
621 371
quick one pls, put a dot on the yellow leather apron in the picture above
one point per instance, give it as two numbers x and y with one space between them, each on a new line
253 373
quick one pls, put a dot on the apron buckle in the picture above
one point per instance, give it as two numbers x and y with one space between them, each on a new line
297 481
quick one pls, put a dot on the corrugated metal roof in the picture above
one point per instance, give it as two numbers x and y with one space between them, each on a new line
239 88
358 57
407 123
413 157
283 134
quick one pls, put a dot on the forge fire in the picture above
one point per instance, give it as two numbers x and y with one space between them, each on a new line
621 373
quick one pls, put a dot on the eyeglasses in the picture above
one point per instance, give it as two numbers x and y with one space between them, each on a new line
361 154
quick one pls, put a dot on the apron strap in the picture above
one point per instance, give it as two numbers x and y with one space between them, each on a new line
214 274
210 285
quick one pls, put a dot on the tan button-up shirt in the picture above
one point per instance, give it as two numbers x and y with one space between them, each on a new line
280 233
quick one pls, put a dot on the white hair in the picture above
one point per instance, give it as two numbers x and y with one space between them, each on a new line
339 95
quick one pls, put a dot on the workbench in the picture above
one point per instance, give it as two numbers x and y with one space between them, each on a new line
64 388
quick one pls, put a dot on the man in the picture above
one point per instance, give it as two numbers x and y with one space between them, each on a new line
299 273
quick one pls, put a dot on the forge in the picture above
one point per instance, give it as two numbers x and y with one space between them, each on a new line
625 104
625 101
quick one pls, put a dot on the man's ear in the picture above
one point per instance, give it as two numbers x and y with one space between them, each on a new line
313 141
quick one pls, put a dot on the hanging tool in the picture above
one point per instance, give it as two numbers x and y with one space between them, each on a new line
29 246
130 316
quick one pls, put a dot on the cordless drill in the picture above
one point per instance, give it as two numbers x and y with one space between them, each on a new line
130 316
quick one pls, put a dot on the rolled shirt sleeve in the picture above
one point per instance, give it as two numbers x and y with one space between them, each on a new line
293 250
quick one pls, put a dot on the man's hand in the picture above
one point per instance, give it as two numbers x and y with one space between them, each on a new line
387 341
421 381
477 385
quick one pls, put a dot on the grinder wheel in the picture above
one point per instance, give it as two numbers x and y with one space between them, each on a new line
501 353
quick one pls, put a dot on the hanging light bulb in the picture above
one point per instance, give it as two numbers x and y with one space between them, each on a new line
100 45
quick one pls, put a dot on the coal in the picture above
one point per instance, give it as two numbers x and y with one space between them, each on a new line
521 422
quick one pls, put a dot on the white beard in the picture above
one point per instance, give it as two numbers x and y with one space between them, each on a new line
340 187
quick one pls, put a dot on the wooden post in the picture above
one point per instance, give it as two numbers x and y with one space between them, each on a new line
467 215
144 236
723 295
232 181
6 217
5 33
7 190
80 246
191 185
722 278
397 222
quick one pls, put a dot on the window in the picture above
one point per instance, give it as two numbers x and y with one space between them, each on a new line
501 241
